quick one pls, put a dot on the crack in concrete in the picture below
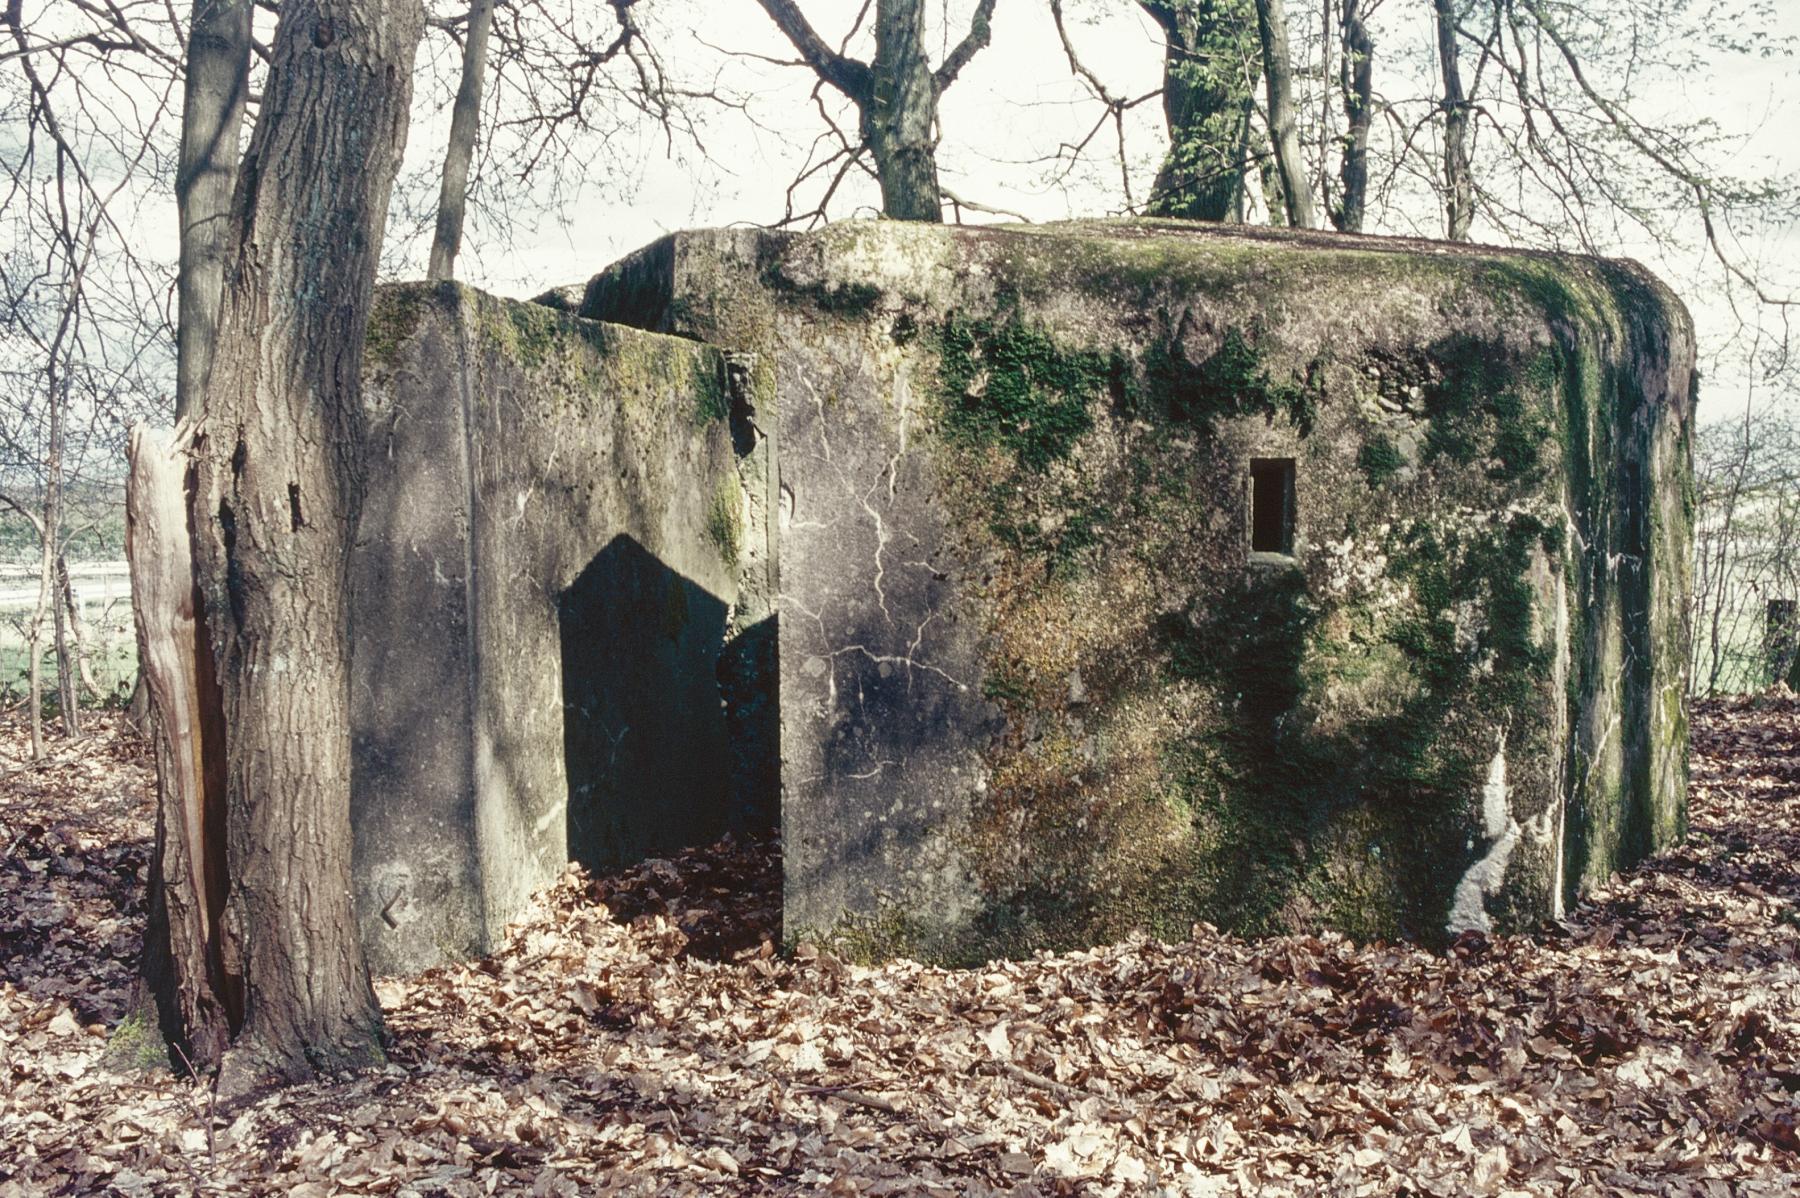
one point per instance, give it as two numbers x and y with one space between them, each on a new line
902 659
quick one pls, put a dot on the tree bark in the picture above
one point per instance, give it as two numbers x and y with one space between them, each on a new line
896 95
899 121
1358 80
138 709
1459 181
68 663
216 86
1211 63
34 645
465 122
1278 73
277 492
199 1003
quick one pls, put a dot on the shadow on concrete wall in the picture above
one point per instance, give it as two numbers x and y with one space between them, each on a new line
747 674
669 732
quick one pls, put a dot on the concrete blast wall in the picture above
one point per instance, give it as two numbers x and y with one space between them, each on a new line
544 580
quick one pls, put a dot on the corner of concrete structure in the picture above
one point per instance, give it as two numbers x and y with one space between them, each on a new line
417 878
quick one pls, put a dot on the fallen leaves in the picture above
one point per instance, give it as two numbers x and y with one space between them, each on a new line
639 1034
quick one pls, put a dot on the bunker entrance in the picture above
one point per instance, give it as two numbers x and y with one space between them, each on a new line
668 713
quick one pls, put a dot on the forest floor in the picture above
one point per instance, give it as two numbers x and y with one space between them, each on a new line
637 1036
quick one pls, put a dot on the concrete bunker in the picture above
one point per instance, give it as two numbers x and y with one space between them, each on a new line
947 552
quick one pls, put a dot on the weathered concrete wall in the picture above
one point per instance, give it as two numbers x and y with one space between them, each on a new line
544 581
1035 687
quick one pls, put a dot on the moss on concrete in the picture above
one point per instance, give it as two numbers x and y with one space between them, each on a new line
1234 382
1273 753
1267 741
712 397
725 521
1380 459
393 319
1010 385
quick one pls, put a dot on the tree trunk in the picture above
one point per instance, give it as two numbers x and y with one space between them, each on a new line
896 96
138 709
1278 72
34 646
1459 182
216 86
67 697
277 493
465 120
68 666
1358 79
65 587
198 1002
899 119
1211 62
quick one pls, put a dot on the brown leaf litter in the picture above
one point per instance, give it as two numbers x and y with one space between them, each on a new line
639 1035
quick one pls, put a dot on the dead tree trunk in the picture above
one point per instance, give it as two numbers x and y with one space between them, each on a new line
1459 181
216 86
1278 73
34 645
68 696
198 1001
32 635
68 662
465 120
277 493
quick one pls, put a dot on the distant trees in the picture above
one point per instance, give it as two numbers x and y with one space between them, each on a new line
82 339
1746 596
1515 121
548 103
1284 135
453 193
1211 63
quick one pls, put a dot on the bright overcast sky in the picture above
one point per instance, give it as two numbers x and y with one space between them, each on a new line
1008 111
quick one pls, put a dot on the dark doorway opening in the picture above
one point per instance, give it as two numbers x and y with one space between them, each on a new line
644 739
1272 505
670 728
671 741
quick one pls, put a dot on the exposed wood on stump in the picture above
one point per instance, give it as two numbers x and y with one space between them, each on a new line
197 1002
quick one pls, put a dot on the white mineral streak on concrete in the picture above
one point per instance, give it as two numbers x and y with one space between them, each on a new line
1468 908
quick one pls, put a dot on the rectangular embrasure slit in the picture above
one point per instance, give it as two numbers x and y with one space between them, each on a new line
1272 505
